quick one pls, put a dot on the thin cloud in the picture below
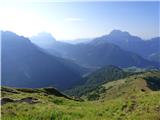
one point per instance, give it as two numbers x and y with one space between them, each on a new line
73 19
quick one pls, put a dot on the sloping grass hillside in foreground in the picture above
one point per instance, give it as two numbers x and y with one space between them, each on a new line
134 98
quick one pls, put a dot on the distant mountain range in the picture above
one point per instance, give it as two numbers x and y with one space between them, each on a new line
48 62
77 41
110 49
43 39
132 43
26 65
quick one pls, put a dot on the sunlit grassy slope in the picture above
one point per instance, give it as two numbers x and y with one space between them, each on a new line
133 98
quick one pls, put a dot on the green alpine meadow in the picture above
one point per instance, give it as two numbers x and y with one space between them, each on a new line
132 98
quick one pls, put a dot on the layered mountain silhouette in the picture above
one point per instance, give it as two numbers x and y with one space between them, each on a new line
26 65
132 43
45 63
43 39
100 51
48 42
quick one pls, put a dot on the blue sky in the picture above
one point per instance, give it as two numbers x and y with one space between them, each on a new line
72 20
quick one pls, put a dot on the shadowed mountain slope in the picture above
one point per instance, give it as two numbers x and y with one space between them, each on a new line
26 65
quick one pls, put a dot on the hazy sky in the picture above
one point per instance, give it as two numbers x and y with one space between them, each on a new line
71 20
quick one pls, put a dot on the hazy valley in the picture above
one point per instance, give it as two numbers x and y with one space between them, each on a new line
80 60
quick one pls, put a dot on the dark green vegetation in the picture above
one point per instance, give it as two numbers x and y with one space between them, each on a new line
130 98
97 78
93 83
26 65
